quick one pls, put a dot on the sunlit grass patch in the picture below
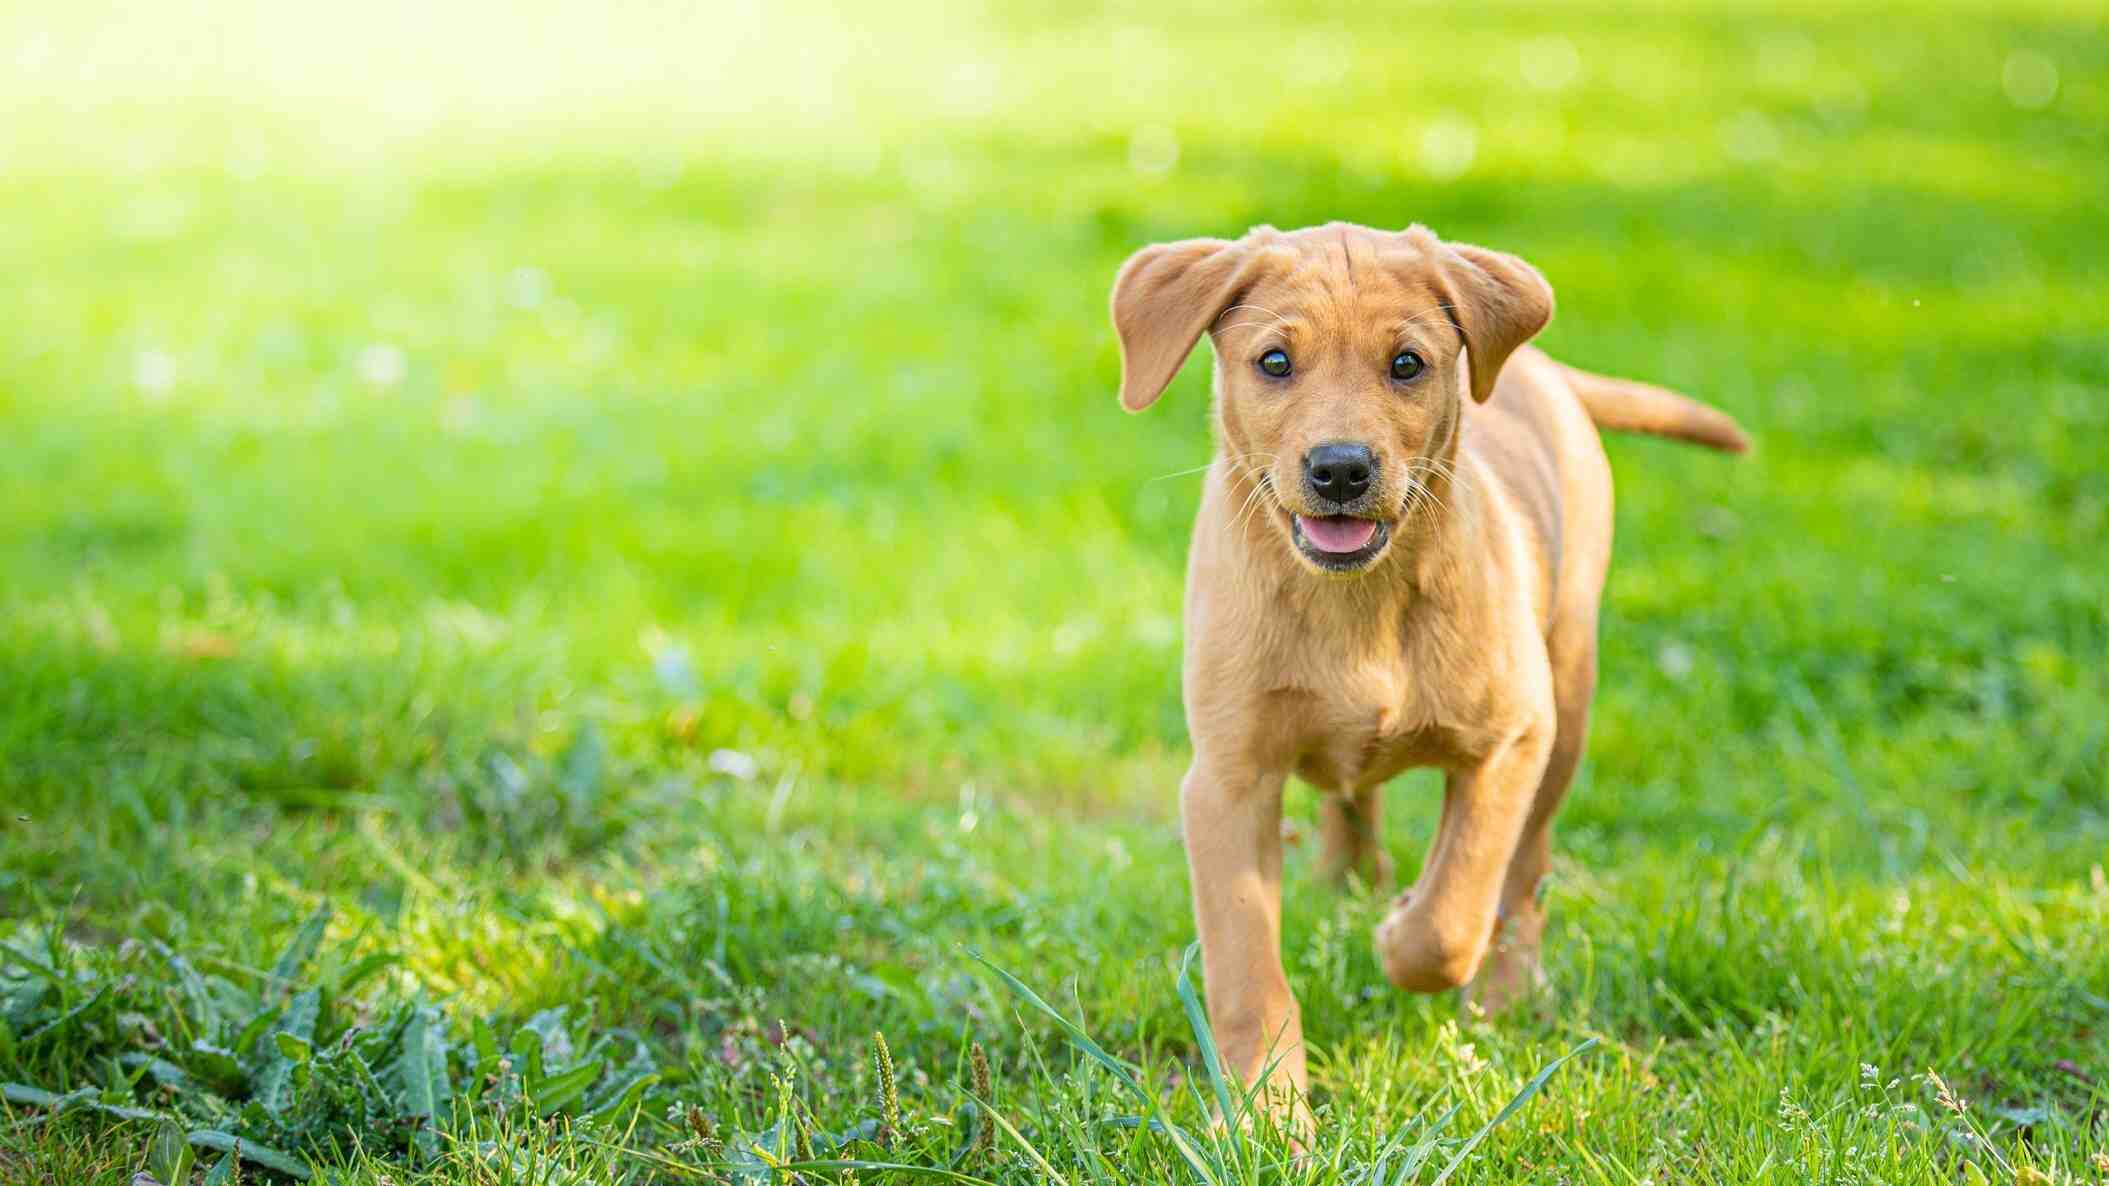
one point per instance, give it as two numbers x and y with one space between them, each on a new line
692 583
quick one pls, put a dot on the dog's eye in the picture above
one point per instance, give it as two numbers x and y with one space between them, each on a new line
1406 365
1275 363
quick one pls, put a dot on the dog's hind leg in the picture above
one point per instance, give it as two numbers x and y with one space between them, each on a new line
1350 829
1511 971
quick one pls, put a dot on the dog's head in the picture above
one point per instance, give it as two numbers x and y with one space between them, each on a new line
1343 358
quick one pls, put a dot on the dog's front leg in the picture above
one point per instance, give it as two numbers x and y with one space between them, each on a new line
1232 821
1435 937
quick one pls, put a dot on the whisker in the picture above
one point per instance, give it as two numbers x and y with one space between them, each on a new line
1412 501
1179 473
1247 501
1421 478
1418 492
1210 464
1255 502
1444 469
1429 495
1423 498
1277 317
1238 520
1417 318
1261 308
1260 491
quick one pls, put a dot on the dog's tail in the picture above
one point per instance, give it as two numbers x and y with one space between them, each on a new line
1625 406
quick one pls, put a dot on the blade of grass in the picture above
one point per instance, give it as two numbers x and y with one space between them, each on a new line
1204 1036
247 1150
1509 1109
302 948
714 1170
1053 1174
1083 1041
1422 1150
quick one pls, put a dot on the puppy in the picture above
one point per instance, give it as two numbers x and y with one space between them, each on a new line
1399 555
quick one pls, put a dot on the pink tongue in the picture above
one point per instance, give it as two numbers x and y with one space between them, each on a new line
1337 533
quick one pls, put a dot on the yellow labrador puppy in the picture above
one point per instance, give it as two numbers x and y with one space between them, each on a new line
1397 563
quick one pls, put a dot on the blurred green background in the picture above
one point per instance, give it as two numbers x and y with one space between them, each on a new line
386 389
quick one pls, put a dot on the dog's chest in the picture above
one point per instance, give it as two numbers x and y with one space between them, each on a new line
1375 720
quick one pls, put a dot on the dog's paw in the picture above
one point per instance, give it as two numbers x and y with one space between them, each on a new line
1421 954
1508 980
1512 973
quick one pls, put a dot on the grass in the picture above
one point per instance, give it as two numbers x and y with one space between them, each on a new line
633 520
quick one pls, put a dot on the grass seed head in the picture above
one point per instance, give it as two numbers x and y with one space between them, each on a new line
699 1122
978 1071
983 1086
889 1100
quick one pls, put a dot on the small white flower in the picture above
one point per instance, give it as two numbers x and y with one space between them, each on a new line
734 764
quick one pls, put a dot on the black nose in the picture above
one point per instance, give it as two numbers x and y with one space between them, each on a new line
1339 472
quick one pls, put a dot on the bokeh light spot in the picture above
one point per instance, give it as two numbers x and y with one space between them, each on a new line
1448 147
1550 63
2030 80
1153 150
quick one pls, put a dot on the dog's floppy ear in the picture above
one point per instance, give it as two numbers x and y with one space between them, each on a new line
1498 302
1164 298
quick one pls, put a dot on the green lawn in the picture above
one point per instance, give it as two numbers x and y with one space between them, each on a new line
631 516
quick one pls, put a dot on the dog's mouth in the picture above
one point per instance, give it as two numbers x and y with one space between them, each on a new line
1339 543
